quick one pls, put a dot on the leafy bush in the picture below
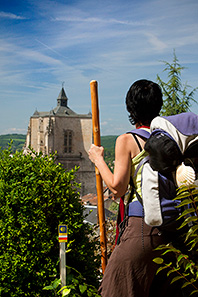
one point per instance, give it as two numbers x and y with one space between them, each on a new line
185 265
36 195
76 286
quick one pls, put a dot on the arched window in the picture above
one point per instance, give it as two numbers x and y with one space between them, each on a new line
68 141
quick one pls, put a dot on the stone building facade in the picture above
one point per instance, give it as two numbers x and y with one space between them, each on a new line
69 134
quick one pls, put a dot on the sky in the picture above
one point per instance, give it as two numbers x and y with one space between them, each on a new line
46 44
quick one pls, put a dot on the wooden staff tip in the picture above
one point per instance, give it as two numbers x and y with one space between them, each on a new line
93 81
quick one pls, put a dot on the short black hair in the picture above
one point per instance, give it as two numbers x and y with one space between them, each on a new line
143 101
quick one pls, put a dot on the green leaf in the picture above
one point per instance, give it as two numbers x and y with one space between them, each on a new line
187 221
172 270
193 292
185 202
191 232
181 257
82 288
187 211
176 278
188 266
48 288
158 260
56 283
186 284
66 292
169 251
160 269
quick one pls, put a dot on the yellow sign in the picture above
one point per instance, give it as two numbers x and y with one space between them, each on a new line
62 233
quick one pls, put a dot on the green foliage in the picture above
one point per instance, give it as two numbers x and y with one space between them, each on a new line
185 266
76 286
36 195
176 97
108 142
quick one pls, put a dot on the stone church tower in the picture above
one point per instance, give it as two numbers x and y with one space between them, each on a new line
68 133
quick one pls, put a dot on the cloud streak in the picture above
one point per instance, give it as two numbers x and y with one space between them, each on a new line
12 16
95 20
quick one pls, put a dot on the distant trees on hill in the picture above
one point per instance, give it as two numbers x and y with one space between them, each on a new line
17 139
108 142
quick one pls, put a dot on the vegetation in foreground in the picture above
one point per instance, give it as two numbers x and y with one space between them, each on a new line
36 195
184 267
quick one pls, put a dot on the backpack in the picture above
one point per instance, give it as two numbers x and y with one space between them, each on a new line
173 142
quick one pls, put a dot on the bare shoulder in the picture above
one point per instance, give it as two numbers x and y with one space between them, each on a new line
125 141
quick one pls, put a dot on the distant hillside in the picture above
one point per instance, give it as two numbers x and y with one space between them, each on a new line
108 142
18 141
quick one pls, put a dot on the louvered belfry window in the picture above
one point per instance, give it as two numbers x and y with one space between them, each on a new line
68 140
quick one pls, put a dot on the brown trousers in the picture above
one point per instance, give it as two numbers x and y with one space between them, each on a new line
131 270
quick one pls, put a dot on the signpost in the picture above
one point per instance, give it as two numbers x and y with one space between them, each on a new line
62 238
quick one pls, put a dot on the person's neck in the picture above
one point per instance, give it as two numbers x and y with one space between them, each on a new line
139 125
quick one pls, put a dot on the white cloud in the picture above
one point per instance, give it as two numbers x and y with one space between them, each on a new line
105 123
8 15
156 42
98 20
15 131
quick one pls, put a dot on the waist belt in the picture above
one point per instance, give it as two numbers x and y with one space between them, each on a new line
135 209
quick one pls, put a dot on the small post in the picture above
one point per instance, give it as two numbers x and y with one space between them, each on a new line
62 238
62 264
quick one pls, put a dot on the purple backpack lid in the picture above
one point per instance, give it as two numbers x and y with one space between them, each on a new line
186 123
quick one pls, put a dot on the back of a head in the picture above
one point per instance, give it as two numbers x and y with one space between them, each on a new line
143 101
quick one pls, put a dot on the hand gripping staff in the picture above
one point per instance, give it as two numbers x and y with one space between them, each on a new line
99 186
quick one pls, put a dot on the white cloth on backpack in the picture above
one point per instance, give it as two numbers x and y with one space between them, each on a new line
150 196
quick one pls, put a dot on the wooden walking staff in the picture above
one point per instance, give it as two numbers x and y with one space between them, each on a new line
99 185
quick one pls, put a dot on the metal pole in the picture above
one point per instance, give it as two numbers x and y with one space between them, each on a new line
62 264
62 238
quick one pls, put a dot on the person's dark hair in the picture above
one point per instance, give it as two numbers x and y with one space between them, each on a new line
143 101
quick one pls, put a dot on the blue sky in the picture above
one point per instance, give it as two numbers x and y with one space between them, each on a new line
44 43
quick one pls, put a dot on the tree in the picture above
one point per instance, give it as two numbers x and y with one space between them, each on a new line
36 195
176 97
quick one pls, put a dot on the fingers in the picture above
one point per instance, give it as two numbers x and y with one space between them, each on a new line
95 152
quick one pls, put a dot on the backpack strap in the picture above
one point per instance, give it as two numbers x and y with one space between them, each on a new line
122 218
142 162
140 132
138 143
143 134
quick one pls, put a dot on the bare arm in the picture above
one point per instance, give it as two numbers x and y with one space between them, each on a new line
117 181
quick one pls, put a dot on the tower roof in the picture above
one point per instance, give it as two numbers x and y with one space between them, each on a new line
62 98
61 109
62 94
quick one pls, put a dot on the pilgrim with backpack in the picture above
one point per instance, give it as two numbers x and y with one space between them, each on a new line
172 161
150 211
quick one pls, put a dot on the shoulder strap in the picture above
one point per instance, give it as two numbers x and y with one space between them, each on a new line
142 162
140 132
138 143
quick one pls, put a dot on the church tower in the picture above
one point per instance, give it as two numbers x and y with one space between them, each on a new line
69 134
